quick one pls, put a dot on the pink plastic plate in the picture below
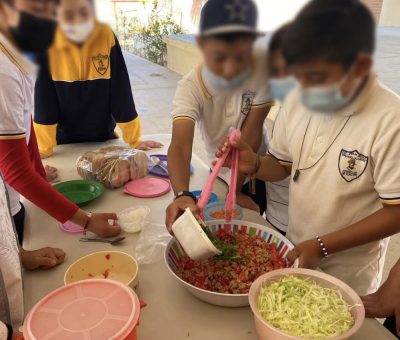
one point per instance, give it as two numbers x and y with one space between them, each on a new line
72 228
148 187
85 310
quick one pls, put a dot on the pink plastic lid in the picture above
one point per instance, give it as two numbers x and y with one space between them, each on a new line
86 310
70 227
148 187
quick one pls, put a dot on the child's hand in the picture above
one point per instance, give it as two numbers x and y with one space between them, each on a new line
148 145
51 173
101 227
386 301
309 254
45 258
246 202
177 208
247 157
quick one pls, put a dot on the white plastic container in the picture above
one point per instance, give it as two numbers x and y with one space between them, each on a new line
192 238
132 220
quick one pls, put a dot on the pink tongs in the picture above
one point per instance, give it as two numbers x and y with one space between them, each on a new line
230 202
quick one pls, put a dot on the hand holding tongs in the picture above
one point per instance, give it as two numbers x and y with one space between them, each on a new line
230 203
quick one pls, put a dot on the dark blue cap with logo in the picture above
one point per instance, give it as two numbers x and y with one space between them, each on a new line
228 16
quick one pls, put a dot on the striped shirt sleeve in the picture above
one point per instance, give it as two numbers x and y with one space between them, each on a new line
187 101
279 147
384 159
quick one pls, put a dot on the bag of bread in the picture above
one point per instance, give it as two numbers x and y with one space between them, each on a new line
113 165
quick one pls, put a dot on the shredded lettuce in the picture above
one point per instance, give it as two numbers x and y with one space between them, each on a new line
300 307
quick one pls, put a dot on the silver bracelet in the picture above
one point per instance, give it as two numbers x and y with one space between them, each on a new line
322 245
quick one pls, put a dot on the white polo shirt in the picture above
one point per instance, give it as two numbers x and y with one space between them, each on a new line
277 192
215 111
11 294
17 81
358 174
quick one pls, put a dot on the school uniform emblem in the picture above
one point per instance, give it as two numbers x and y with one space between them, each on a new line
352 164
247 102
101 63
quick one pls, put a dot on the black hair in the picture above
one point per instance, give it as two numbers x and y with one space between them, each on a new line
230 37
275 42
335 30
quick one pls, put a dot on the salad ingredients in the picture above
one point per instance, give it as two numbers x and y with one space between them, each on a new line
133 219
244 258
220 214
301 307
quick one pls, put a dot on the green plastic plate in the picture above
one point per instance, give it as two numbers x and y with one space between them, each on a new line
81 192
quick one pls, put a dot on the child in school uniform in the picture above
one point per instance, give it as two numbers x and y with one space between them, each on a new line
83 89
338 136
11 294
281 84
20 162
230 89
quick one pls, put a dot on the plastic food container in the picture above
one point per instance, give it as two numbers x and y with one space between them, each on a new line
218 208
214 197
86 310
132 220
265 331
192 237
112 265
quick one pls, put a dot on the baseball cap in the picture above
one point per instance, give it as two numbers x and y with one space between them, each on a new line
229 16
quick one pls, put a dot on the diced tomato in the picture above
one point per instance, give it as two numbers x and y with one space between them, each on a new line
226 276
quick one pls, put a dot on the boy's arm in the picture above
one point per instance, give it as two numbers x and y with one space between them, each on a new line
179 157
385 302
180 154
381 224
46 109
252 133
187 110
122 104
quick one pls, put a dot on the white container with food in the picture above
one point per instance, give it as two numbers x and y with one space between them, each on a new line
132 220
297 303
192 237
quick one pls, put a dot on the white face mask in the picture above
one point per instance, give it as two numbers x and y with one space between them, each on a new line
325 98
78 33
220 83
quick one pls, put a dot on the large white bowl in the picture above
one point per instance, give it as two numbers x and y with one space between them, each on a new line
174 252
266 331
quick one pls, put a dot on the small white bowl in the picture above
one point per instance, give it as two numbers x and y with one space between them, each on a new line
130 226
192 237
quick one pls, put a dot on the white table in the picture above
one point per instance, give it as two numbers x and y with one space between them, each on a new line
172 313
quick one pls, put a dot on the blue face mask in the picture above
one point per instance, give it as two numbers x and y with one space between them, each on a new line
281 87
220 83
325 99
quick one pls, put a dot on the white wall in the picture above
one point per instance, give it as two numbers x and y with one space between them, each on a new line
390 15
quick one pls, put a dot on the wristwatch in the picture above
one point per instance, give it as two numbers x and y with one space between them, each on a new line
185 194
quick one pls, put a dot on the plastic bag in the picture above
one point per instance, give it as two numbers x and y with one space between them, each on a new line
113 165
151 244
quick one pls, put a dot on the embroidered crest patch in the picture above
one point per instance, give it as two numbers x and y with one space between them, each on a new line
352 164
101 63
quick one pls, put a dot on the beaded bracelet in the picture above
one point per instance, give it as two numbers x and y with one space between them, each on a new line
322 245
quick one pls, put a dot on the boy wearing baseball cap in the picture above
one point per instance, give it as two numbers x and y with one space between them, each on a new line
230 89
338 137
